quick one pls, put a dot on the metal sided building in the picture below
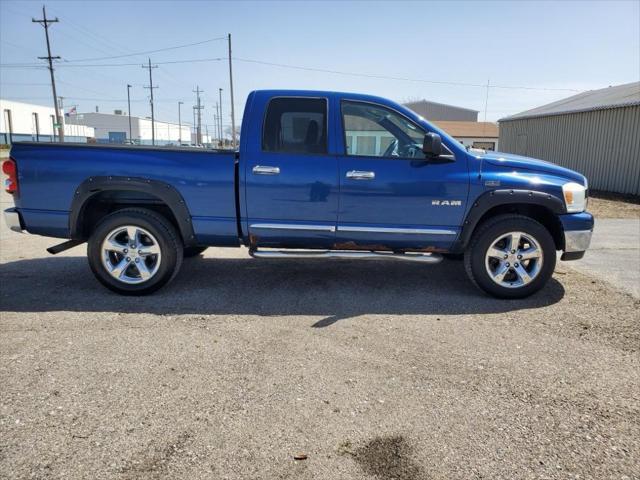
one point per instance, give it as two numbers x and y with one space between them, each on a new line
596 133
440 111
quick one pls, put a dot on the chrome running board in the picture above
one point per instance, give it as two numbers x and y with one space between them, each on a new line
407 257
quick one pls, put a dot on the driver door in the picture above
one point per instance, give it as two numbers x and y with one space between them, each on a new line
390 195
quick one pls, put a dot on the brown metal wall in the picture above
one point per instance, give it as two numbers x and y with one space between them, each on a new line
603 145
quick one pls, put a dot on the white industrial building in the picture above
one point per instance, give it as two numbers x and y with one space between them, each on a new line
29 122
114 128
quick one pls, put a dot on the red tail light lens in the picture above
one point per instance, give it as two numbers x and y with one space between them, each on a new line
10 170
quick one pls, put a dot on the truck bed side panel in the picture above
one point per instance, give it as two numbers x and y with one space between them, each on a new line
49 175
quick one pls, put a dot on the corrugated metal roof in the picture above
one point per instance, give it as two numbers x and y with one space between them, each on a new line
468 129
610 97
429 102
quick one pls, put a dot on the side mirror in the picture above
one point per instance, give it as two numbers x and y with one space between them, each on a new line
432 145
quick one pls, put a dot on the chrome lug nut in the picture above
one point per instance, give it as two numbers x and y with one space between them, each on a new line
128 259
515 264
508 264
519 257
139 252
125 250
506 256
137 260
513 251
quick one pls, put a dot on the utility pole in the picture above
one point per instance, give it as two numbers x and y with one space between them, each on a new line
215 124
45 22
179 125
129 111
198 107
151 87
61 107
486 104
220 126
221 132
233 116
194 126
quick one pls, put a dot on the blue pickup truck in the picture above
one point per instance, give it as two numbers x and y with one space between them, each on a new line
317 175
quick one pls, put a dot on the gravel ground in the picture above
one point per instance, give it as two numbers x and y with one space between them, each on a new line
371 370
608 205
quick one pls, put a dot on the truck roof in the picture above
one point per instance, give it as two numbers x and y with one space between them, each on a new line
321 93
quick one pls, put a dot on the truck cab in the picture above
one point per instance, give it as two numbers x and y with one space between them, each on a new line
317 174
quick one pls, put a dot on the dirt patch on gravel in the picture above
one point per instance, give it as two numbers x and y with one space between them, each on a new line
611 205
155 463
386 458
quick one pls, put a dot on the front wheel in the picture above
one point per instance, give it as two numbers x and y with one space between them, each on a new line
134 251
510 256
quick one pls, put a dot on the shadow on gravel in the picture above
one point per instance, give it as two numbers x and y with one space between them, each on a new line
336 289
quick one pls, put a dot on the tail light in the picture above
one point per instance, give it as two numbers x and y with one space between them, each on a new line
10 170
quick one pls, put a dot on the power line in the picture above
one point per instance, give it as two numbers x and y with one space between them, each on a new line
67 65
148 51
387 77
27 84
309 69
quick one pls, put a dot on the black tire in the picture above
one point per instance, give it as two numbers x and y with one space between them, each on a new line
481 240
456 257
167 238
188 252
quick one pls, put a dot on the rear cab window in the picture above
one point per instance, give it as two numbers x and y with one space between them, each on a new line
295 125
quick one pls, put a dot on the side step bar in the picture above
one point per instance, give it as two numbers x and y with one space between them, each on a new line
408 257
61 247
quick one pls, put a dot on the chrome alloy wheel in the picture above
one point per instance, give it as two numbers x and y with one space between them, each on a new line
514 259
131 254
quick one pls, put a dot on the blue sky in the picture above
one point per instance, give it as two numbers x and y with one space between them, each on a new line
558 46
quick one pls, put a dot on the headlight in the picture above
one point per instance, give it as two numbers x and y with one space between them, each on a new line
575 197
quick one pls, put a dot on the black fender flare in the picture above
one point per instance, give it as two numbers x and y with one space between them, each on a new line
161 190
494 198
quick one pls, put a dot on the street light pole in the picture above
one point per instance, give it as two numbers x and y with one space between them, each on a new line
233 115
129 111
179 125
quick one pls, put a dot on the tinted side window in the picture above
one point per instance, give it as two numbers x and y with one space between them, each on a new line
295 125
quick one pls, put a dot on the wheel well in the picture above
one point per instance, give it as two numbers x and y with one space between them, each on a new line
109 201
539 213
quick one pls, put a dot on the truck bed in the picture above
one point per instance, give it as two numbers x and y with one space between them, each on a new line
51 173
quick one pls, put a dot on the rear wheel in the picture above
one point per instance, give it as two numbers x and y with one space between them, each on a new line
134 251
511 256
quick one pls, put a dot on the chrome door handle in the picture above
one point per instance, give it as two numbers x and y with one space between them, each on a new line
265 170
360 175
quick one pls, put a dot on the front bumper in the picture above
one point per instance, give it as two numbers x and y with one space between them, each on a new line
12 219
577 240
578 228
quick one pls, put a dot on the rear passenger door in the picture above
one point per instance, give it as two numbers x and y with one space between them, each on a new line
291 181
